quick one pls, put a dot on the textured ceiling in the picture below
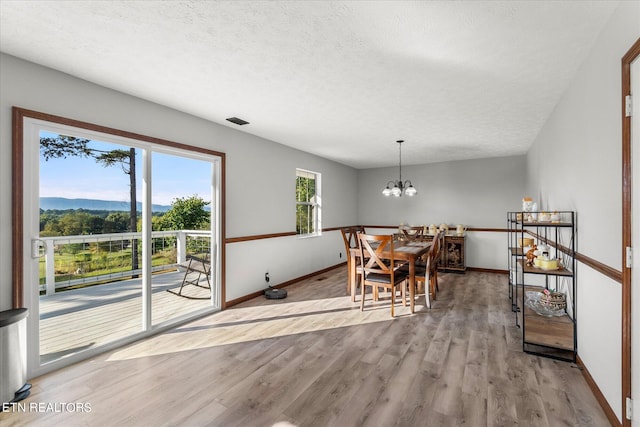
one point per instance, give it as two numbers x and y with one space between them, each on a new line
340 79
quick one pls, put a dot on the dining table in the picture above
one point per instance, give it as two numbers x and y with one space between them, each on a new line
405 250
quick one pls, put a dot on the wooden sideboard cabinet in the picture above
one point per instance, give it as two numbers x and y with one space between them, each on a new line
452 253
452 257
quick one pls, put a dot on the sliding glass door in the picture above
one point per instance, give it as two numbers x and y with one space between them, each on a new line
123 239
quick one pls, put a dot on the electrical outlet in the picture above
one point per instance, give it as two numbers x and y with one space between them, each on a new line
266 277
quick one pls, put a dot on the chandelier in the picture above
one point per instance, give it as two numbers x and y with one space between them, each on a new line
399 186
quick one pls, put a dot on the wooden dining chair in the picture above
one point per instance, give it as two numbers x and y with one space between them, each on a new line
379 271
438 258
428 274
354 270
412 233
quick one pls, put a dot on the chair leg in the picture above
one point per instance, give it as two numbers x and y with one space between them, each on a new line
427 295
432 287
354 285
393 298
362 286
407 292
424 285
403 292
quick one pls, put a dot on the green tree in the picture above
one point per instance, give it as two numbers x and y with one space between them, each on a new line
51 228
186 213
49 224
116 222
157 223
77 223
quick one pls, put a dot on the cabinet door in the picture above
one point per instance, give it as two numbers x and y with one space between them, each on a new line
454 253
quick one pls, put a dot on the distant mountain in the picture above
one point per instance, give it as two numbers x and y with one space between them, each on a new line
60 203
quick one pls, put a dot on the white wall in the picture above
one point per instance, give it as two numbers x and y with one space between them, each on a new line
575 164
476 193
284 258
260 174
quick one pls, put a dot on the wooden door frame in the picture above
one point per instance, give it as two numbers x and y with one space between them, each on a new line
18 116
627 59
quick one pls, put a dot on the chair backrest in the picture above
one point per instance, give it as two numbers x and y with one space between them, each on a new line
434 252
432 262
349 236
412 233
201 265
372 245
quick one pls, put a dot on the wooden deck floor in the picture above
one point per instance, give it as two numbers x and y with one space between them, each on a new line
314 359
92 316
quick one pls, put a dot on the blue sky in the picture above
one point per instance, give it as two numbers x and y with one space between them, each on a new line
84 178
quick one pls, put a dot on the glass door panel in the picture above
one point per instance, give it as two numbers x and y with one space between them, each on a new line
90 284
181 198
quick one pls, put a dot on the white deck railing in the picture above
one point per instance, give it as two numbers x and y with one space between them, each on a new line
49 245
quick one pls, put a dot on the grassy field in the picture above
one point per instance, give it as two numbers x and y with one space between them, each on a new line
92 262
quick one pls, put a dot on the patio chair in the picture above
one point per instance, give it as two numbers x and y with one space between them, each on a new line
195 267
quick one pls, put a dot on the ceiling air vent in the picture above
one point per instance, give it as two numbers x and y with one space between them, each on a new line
237 121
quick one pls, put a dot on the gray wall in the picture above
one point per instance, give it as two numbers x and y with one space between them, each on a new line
476 193
264 167
575 163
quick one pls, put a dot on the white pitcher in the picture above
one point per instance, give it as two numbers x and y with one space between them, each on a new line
460 229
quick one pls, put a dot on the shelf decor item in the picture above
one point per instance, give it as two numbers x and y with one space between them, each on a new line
547 264
546 303
544 310
525 242
460 229
527 204
554 300
545 217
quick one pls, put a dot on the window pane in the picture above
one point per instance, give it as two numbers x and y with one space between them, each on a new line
305 222
307 207
305 186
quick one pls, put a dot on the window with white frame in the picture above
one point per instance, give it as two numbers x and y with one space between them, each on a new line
308 203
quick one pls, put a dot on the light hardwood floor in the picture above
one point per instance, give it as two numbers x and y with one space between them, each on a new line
314 359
